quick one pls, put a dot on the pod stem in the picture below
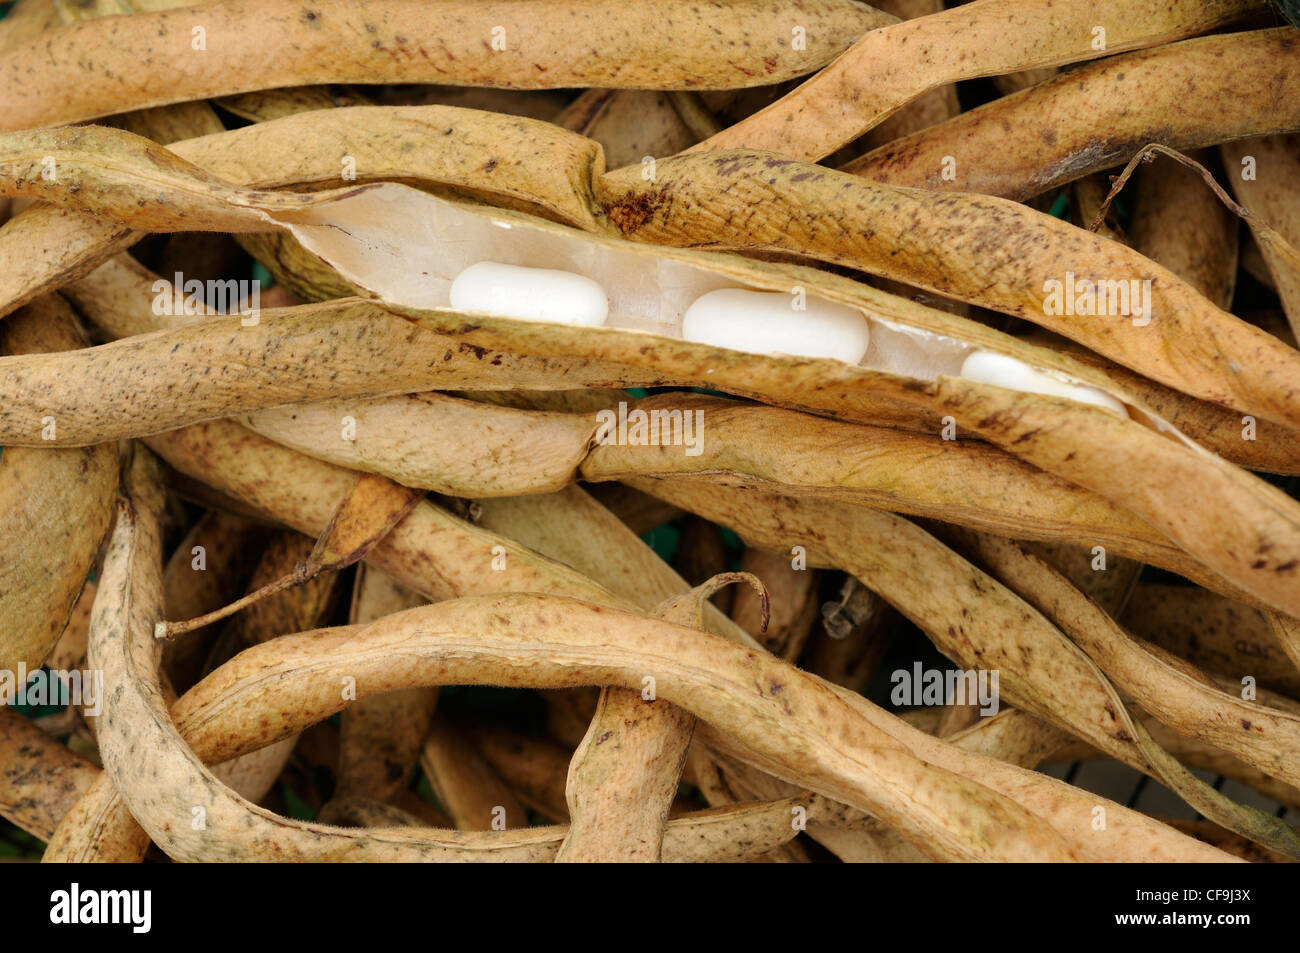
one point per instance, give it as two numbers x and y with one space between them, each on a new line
302 573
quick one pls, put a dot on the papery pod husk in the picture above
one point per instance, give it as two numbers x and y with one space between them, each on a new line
965 42
855 837
1104 578
1129 836
1274 449
440 555
855 635
949 599
28 19
167 125
47 245
55 508
385 371
832 535
886 553
668 843
1167 685
295 609
145 756
928 109
94 9
163 124
98 828
1009 83
1100 114
1269 572
70 651
827 821
494 157
637 209
512 452
1255 534
1013 736
1086 198
776 450
625 772
180 784
573 528
794 606
431 551
720 790
363 812
583 109
40 779
1211 631
568 713
548 45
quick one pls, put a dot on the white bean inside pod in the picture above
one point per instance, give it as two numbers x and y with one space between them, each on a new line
769 322
530 294
1000 370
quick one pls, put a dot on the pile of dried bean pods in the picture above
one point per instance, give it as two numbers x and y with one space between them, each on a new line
575 430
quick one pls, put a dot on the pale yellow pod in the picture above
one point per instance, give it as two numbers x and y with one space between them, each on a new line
546 44
55 508
976 39
1099 115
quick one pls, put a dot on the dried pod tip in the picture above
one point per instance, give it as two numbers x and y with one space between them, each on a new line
711 585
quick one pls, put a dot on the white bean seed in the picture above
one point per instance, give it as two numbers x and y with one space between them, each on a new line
767 322
987 367
530 294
